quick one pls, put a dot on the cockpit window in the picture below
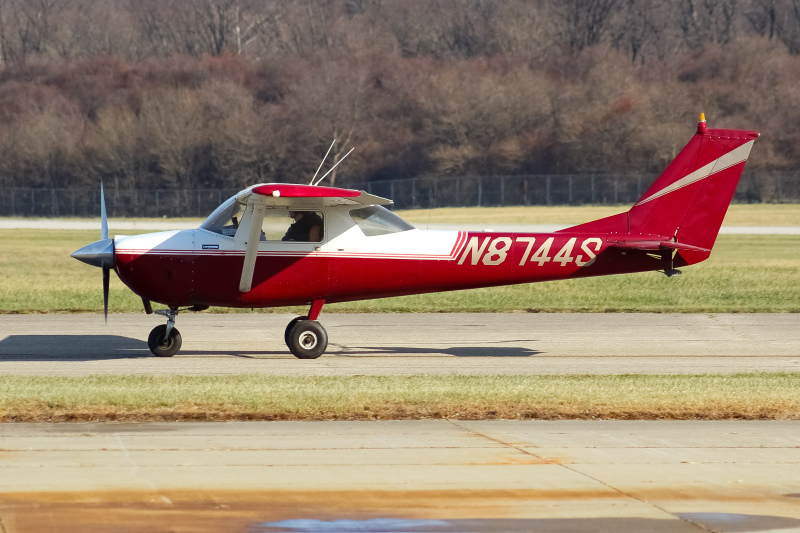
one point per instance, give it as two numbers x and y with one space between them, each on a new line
376 220
226 218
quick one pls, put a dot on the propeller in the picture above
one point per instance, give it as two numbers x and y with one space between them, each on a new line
100 253
104 236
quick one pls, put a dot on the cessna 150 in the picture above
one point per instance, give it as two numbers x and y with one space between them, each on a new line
344 246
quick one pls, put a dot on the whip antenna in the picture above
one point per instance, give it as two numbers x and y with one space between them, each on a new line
334 166
322 163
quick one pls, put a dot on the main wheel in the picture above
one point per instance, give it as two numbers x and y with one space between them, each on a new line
289 329
307 339
162 347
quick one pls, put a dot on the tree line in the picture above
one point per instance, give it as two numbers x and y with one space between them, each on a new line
226 93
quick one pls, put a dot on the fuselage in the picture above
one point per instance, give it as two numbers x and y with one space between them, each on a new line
201 267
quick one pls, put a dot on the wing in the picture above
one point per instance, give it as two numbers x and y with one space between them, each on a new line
258 197
291 195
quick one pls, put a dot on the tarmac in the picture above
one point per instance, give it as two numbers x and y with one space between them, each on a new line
381 344
402 476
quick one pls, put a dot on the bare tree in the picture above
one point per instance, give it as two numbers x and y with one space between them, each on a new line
582 23
707 21
762 16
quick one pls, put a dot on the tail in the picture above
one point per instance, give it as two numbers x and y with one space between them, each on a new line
684 208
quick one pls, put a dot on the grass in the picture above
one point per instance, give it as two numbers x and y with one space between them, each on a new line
738 214
746 273
265 397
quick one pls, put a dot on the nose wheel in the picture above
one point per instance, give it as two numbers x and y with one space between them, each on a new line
165 340
163 344
306 339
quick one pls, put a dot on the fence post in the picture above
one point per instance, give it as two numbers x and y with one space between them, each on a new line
480 191
547 190
570 190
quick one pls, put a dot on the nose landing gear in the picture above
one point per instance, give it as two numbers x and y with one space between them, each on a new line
165 340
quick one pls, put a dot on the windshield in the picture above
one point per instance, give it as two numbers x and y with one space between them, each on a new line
376 220
225 219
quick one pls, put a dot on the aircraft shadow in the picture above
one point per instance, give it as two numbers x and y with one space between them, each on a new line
455 351
71 348
356 351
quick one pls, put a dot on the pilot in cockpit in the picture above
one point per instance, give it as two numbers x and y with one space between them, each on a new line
307 227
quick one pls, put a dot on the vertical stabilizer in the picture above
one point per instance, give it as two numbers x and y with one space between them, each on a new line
690 198
688 201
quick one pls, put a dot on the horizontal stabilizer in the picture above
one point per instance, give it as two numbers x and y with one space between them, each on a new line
653 245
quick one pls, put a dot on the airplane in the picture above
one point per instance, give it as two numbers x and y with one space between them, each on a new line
249 253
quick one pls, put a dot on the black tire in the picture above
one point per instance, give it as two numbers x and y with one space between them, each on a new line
308 339
289 329
157 344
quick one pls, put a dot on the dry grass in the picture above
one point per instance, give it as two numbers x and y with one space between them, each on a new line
262 397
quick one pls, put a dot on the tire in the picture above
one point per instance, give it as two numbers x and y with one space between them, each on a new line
289 329
308 339
157 345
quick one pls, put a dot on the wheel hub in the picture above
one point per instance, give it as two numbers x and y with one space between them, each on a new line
308 340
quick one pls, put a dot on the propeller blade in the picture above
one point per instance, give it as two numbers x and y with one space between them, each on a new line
106 277
103 217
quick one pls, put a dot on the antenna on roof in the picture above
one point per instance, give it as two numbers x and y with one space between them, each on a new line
322 163
334 166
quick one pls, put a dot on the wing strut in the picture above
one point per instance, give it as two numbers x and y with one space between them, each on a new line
256 219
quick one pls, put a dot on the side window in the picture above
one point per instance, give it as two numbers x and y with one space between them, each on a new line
297 226
376 220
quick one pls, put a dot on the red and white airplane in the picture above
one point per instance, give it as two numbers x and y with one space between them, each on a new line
345 246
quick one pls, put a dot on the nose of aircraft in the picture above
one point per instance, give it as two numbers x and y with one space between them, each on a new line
99 253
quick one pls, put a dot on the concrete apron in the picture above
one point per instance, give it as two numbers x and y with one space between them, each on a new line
409 476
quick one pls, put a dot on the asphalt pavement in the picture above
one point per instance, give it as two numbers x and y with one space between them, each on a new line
403 344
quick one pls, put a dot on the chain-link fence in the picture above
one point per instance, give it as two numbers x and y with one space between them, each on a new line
426 192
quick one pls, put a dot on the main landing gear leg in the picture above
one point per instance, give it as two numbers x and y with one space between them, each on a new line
165 340
305 336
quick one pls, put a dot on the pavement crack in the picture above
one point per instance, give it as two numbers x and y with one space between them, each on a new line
136 470
583 474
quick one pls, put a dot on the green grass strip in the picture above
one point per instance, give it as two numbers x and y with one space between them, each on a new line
267 397
745 274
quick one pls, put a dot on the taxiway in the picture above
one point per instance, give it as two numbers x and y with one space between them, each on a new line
402 344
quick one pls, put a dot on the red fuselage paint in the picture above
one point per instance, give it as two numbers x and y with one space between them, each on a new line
181 278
